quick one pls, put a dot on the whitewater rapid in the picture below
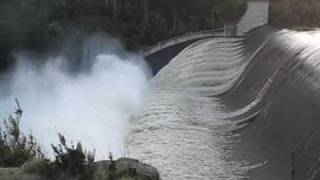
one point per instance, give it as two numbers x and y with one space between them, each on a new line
183 130
235 108
91 105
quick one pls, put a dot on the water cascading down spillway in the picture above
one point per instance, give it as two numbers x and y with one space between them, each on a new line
235 108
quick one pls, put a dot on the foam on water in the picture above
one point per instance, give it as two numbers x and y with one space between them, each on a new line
183 131
212 114
93 107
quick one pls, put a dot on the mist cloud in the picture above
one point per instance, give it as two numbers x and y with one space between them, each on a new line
93 107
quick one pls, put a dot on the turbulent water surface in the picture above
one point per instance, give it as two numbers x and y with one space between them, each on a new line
235 108
92 105
185 131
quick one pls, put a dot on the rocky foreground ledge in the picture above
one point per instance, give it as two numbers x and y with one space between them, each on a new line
124 169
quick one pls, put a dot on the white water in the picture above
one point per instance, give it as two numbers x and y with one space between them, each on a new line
94 106
183 131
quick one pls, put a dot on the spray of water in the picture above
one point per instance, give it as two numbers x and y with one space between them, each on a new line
93 107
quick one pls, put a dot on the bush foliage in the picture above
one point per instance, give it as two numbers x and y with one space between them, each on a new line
73 161
15 147
70 161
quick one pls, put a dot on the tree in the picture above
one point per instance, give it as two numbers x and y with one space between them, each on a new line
146 9
115 11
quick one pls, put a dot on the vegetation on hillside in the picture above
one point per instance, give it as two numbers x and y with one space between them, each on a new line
35 24
15 147
70 162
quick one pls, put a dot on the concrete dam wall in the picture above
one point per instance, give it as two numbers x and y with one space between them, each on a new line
160 54
235 108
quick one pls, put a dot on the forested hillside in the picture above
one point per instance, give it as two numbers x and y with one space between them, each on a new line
34 24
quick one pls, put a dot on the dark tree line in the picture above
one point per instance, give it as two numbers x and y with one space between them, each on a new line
143 22
32 24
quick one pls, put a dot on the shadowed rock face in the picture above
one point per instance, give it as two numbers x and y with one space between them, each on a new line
235 108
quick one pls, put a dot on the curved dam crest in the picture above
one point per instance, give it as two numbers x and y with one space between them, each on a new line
235 108
160 54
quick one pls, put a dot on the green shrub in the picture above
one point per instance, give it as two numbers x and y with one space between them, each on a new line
15 147
73 161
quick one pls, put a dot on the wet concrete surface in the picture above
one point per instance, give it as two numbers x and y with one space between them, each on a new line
264 100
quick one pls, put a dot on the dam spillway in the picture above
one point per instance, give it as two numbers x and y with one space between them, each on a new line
235 108
159 55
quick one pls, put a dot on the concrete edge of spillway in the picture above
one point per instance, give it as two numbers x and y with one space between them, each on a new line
258 93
